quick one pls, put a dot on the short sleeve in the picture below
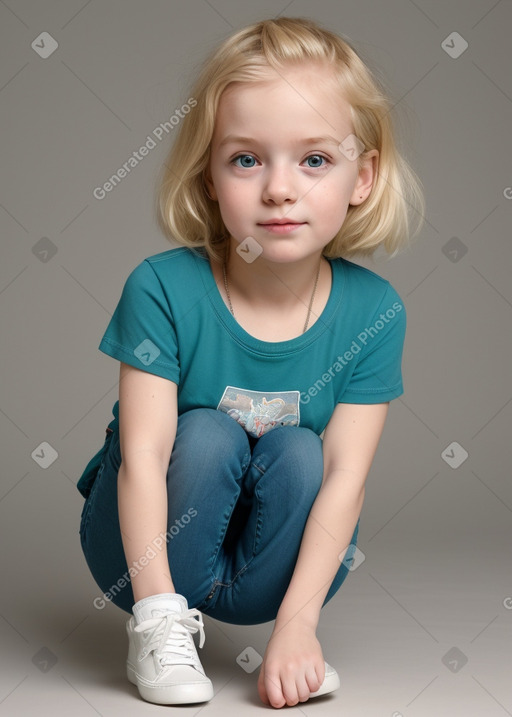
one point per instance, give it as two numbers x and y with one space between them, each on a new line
377 376
141 331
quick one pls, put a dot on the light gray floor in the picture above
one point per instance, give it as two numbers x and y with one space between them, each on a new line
388 635
422 627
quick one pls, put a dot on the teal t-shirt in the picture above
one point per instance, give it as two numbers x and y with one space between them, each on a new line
172 321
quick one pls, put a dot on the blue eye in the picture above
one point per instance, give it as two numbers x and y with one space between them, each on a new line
247 161
315 157
244 157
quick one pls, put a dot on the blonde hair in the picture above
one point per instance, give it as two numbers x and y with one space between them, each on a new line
189 217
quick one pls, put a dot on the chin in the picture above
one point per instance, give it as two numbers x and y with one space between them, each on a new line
283 257
287 248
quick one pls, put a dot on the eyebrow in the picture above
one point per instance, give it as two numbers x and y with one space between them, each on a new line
231 139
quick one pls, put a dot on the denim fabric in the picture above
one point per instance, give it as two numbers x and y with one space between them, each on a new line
237 509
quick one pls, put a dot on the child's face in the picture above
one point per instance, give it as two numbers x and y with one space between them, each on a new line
274 173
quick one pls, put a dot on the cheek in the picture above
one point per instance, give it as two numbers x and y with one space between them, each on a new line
336 187
233 197
230 201
331 211
334 201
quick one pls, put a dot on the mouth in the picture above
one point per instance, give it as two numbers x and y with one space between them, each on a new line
281 226
272 222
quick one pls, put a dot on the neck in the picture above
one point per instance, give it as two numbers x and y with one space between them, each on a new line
267 283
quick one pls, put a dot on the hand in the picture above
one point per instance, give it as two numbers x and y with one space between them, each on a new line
293 666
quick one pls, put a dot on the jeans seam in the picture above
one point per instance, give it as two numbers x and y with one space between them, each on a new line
86 514
258 526
219 546
218 583
246 461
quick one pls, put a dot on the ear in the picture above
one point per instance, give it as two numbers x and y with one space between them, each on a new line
207 181
366 177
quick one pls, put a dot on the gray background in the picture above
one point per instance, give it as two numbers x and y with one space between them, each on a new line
434 589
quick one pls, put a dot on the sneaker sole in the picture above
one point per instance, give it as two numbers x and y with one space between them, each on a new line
174 695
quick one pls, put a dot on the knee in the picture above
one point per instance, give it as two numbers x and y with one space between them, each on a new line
212 433
296 452
298 445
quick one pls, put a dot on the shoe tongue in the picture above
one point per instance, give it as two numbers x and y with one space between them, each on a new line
158 606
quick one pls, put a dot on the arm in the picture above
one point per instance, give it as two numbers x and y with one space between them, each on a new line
293 662
147 421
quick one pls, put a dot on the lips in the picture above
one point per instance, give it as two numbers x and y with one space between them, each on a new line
280 226
279 221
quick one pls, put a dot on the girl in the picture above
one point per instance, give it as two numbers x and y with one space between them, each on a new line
257 364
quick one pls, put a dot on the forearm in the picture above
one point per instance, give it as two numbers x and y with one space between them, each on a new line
327 535
142 502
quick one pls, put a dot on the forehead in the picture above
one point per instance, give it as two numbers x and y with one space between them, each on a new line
304 97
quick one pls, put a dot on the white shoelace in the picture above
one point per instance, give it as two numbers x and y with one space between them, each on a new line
170 636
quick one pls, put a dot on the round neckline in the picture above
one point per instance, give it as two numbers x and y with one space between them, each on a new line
227 319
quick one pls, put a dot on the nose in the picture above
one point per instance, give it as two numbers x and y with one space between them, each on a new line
279 185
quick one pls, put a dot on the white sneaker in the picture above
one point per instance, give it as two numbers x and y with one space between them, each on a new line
331 682
162 657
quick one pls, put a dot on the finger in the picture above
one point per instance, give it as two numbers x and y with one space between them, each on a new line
291 691
263 695
301 684
315 677
320 671
261 688
303 690
274 690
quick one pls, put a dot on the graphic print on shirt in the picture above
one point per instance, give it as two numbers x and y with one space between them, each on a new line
258 412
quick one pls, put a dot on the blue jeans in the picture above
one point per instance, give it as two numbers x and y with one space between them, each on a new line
237 509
